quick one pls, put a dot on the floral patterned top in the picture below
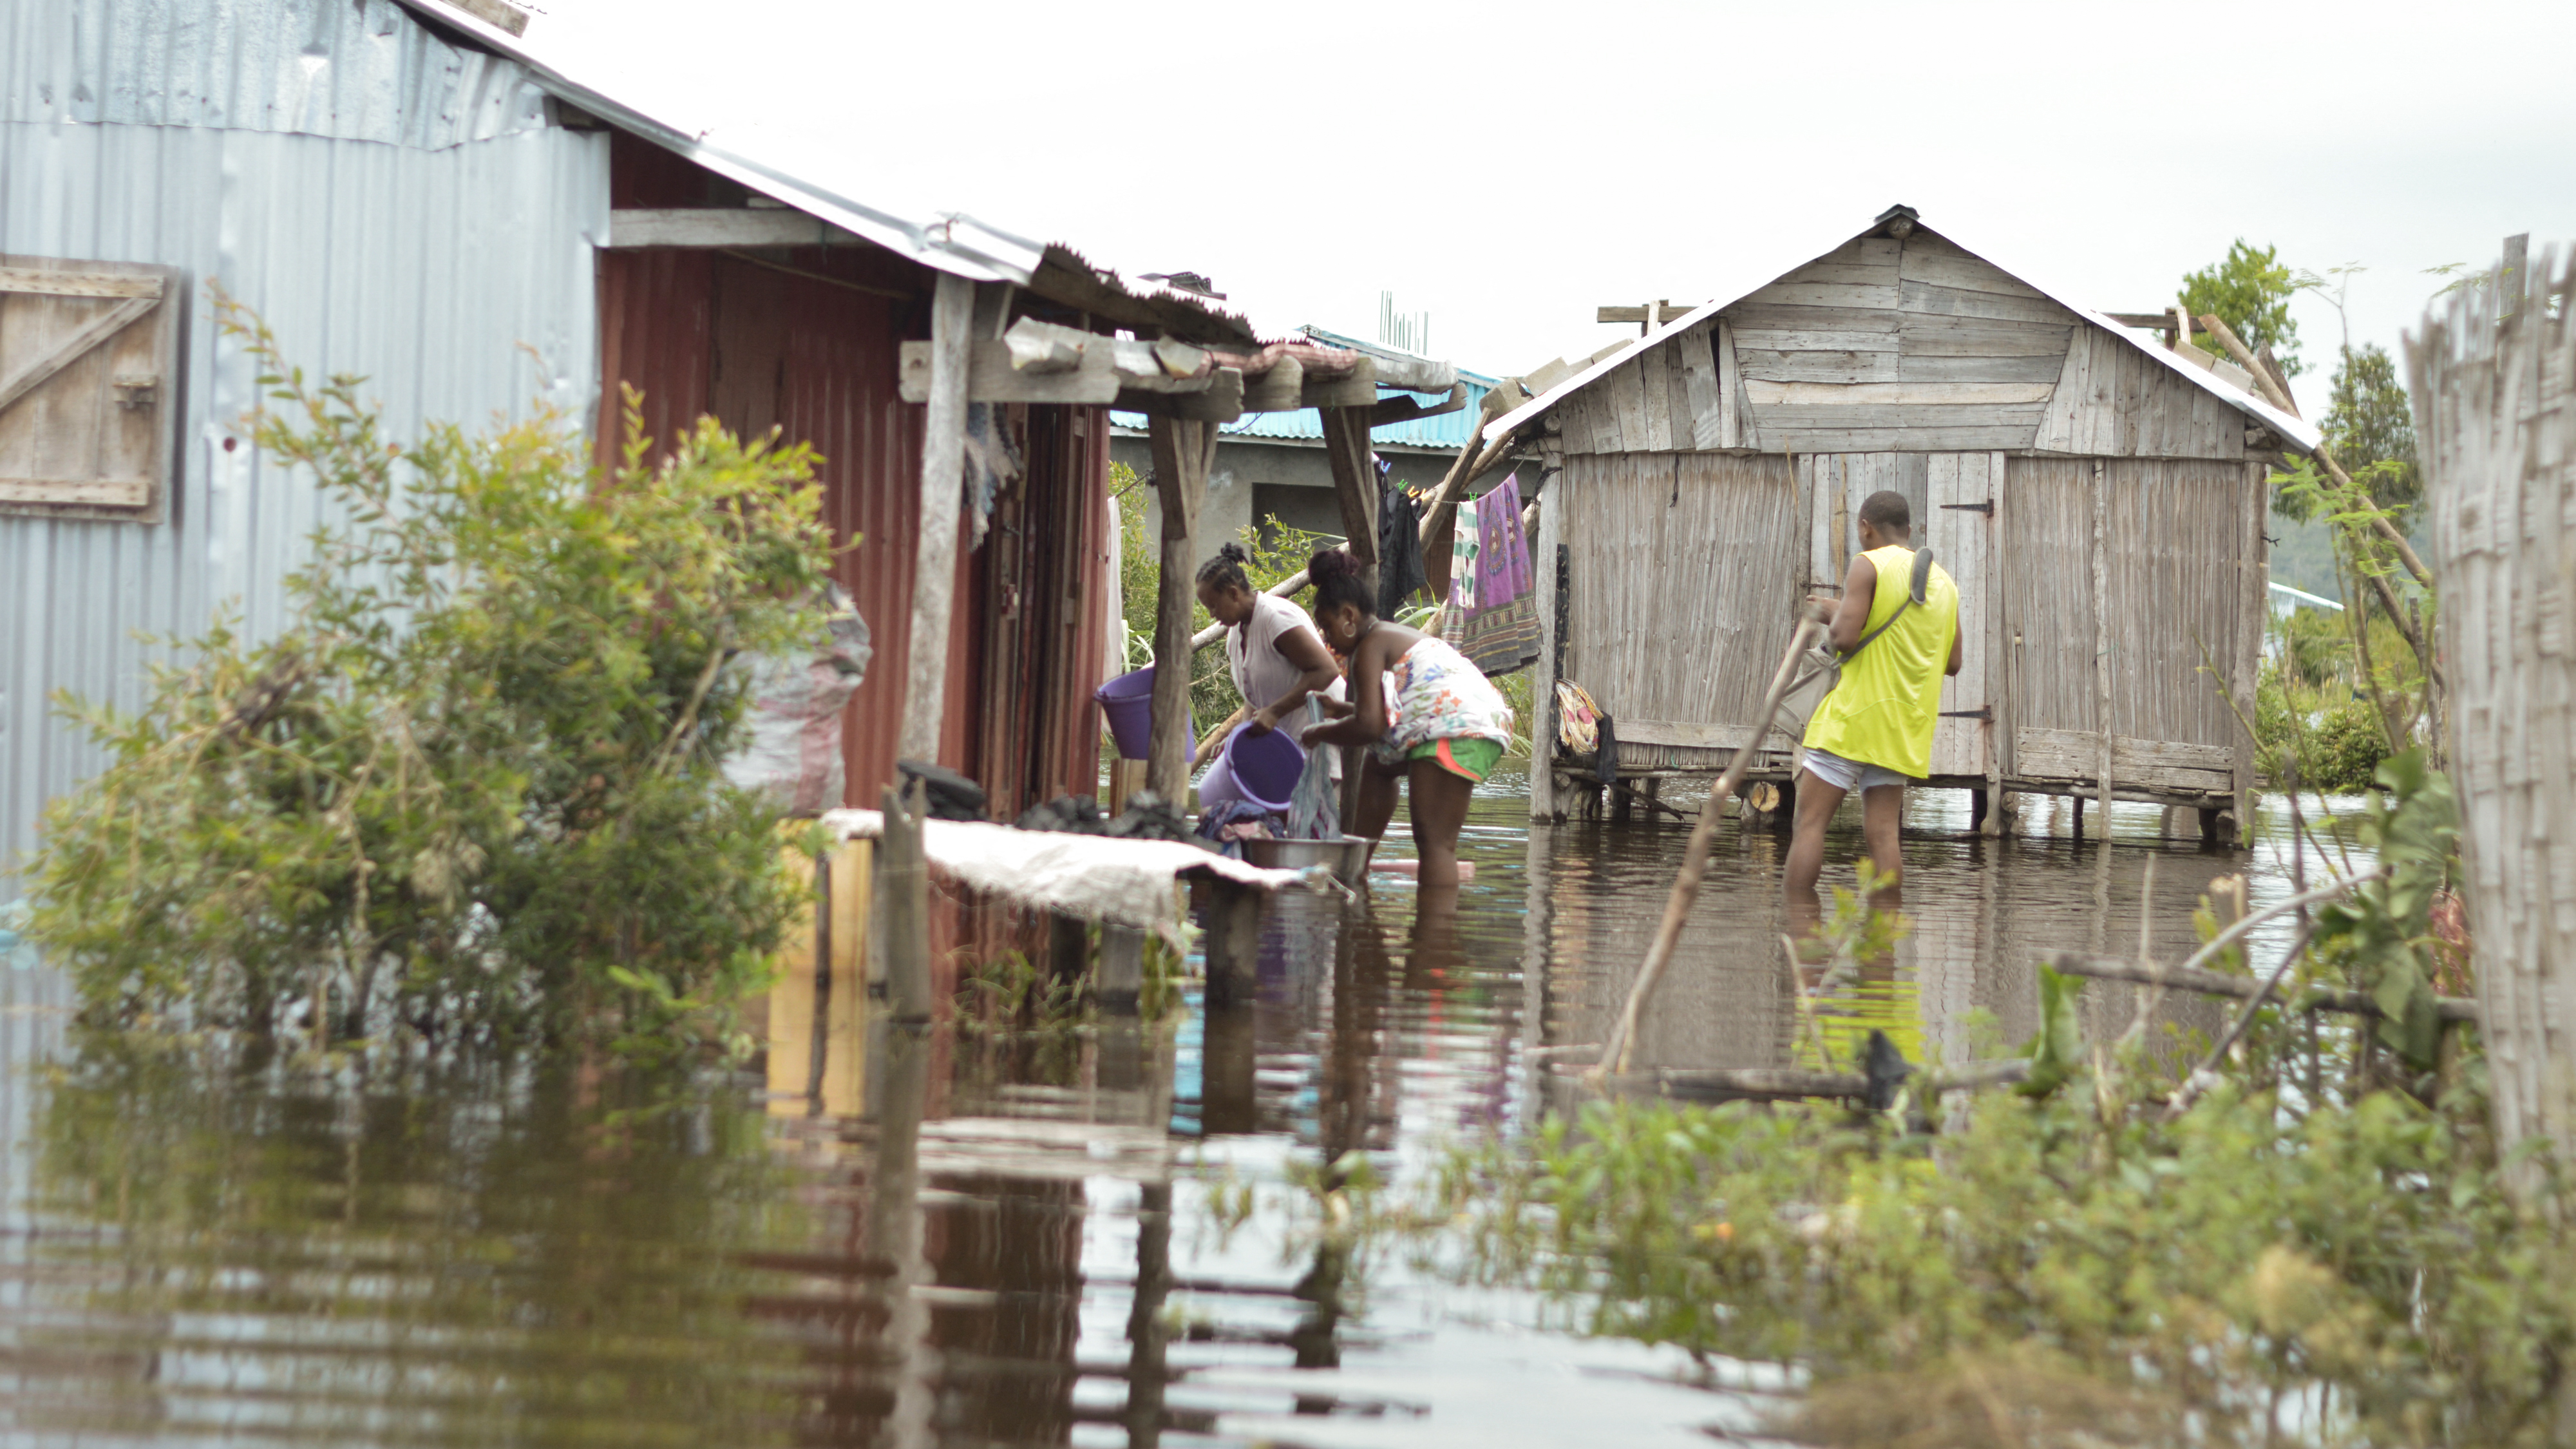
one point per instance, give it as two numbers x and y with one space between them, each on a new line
1438 695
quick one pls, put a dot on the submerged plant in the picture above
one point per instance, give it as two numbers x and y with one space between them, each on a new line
473 786
2124 1252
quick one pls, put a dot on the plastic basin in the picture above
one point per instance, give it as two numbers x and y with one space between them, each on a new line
1128 704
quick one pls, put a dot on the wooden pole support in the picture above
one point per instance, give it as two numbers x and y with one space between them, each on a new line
1182 451
1614 1054
822 1040
1233 942
902 913
1122 969
943 488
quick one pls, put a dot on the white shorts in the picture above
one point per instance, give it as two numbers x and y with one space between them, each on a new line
1849 775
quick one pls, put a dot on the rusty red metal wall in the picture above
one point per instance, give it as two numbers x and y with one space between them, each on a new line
807 340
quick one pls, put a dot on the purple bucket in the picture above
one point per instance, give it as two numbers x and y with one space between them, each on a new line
1128 702
1260 768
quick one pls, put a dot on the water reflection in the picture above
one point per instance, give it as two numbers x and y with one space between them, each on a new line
1026 1240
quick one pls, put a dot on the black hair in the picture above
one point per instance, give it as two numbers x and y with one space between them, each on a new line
1226 569
1886 512
1335 573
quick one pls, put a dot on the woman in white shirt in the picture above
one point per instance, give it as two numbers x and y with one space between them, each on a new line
1271 647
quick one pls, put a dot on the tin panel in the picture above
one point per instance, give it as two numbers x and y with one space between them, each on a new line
458 281
351 70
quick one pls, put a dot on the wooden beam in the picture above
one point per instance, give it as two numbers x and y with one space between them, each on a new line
1280 390
1218 400
32 282
1182 450
65 352
990 377
96 492
943 474
1653 314
1359 390
1389 411
1355 484
1415 374
2154 321
496 13
720 226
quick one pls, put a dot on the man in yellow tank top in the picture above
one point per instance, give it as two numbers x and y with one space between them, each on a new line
1873 732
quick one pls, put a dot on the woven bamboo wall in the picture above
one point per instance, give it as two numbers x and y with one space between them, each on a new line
2170 539
1683 596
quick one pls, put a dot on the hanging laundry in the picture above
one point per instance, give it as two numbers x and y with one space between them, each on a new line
1462 561
1499 629
1399 551
992 463
1315 808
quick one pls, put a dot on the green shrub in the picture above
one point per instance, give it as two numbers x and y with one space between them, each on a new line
2345 749
475 781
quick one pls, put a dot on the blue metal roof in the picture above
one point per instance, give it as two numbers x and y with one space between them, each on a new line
1448 431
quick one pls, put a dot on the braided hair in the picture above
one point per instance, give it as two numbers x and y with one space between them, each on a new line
1225 571
1335 573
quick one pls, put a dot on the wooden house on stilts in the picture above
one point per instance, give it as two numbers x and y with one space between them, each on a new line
2098 492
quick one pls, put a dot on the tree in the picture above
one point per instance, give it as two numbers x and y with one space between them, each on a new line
2369 426
2250 291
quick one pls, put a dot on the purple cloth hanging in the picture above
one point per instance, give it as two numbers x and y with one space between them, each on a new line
1500 634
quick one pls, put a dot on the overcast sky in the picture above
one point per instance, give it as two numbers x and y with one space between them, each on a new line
1507 167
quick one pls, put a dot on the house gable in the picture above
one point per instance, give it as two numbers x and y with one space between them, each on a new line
1889 344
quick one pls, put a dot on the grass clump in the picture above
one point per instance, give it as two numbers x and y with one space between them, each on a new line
473 787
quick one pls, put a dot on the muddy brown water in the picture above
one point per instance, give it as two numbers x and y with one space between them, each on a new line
1089 1239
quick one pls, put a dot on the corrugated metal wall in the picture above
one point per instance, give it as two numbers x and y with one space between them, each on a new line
459 278
807 340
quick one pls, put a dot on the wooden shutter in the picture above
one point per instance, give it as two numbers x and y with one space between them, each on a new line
88 386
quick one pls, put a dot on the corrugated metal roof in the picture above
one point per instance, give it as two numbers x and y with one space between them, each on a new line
388 260
353 71
2302 433
951 242
1447 431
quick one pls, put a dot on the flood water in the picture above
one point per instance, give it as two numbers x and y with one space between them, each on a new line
1098 1238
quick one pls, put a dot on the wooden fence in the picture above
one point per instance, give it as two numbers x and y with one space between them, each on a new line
2494 382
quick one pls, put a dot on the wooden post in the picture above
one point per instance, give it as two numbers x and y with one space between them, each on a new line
902 915
1233 942
2493 379
2000 656
1543 673
1122 969
1182 451
1226 1075
1355 485
1126 777
2247 665
1668 932
822 1045
898 1098
2101 640
943 486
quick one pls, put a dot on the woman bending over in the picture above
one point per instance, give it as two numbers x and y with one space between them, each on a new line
1442 731
1270 647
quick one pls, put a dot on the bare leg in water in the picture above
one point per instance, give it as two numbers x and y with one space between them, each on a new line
1439 813
1378 787
1882 809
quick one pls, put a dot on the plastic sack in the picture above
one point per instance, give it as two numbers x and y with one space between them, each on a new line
794 724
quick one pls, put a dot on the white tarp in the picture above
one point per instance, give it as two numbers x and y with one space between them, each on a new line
1097 878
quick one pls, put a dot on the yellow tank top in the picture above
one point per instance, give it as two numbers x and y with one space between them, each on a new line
1890 696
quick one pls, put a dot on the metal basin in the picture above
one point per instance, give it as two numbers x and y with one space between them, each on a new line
1346 858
